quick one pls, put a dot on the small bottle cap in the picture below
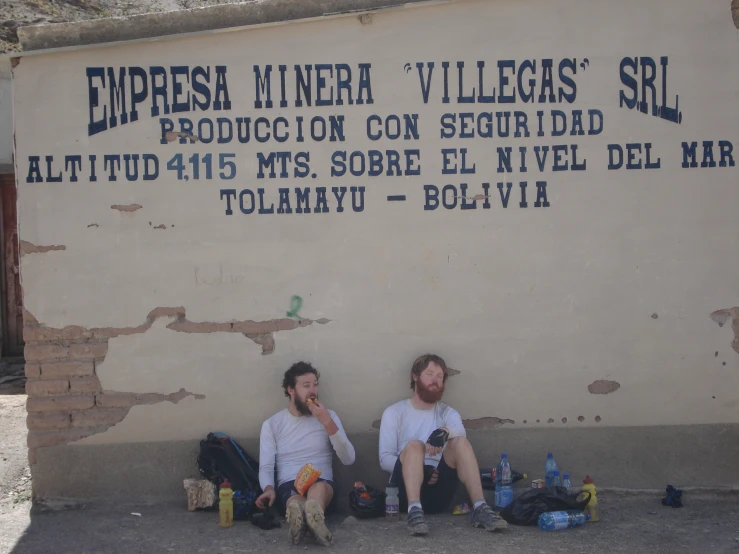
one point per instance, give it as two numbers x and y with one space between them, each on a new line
567 475
549 455
225 484
587 516
504 455
556 472
588 480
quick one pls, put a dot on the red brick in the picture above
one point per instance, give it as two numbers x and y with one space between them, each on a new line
48 421
60 403
84 385
63 436
88 350
98 418
46 387
33 371
38 333
40 352
115 400
67 369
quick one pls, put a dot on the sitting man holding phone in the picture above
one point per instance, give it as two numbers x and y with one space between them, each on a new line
424 446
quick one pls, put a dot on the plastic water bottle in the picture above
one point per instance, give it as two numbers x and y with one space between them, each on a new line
392 503
503 482
225 505
555 521
549 468
555 479
566 483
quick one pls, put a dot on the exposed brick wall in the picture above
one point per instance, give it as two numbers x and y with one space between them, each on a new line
62 385
66 401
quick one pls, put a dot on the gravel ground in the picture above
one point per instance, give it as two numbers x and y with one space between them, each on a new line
707 524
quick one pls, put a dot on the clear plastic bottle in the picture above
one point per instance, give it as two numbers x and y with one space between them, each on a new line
555 479
555 521
392 503
549 468
503 482
566 483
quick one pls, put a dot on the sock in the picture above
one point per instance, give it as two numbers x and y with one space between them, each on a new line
417 504
478 503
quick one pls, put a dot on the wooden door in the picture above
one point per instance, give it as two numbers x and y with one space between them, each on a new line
12 295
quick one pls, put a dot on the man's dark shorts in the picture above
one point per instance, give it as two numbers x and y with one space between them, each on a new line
287 491
435 498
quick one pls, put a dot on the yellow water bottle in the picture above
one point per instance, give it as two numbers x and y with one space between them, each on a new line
225 505
592 508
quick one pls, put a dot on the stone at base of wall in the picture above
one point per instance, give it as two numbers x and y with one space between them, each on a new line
616 457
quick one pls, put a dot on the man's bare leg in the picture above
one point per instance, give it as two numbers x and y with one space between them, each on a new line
319 496
412 458
459 455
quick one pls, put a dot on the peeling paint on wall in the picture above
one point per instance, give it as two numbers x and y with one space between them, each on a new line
126 207
722 317
29 248
735 12
486 422
181 324
603 387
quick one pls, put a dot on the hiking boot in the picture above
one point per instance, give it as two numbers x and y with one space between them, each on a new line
484 516
316 523
296 520
416 522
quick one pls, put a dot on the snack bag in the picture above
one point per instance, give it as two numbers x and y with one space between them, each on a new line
306 477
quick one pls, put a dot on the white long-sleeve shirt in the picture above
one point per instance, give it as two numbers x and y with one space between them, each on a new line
402 423
290 442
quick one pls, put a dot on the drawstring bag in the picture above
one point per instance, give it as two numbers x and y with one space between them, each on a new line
526 509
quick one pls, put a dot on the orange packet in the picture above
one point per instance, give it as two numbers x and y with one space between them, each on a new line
306 477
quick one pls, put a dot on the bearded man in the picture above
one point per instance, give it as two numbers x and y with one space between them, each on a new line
424 446
304 432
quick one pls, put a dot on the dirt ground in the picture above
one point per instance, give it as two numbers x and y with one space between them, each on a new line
630 524
633 523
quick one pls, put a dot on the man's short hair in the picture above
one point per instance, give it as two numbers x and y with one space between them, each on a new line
422 362
295 371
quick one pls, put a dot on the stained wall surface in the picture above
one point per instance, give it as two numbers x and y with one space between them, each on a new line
544 193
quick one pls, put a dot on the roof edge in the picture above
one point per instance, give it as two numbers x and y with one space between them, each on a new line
157 25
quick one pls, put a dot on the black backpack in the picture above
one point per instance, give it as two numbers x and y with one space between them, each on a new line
222 458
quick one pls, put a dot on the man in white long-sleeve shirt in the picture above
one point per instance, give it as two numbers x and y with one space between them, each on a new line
424 446
304 432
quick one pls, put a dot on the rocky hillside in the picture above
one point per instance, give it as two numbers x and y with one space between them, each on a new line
17 13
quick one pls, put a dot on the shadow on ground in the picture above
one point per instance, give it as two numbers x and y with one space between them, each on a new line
708 523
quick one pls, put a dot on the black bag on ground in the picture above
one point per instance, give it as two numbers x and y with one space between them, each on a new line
222 458
526 509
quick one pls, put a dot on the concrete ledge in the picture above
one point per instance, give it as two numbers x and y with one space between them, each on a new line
617 457
257 12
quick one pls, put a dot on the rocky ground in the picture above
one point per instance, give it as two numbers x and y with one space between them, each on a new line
16 13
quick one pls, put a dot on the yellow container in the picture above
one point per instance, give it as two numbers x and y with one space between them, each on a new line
592 507
225 505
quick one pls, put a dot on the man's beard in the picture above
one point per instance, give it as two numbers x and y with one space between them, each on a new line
301 406
430 396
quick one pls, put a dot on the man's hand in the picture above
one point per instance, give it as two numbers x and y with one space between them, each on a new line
436 441
320 412
266 499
